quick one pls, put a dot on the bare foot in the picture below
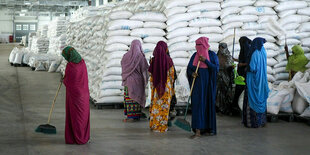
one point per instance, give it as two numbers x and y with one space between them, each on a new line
195 136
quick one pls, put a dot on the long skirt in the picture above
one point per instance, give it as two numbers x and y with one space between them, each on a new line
131 108
252 119
224 92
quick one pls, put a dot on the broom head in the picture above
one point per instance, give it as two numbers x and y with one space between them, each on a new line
46 128
183 124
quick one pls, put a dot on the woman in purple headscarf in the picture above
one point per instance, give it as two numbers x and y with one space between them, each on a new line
162 80
135 78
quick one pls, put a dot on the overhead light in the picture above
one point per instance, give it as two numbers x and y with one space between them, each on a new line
22 14
24 10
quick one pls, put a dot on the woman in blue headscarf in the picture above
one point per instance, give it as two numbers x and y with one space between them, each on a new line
256 92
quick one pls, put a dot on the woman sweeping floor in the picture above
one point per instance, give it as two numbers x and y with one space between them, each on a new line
135 78
162 80
204 91
256 92
77 130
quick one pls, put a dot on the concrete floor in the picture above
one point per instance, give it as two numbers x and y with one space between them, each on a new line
25 99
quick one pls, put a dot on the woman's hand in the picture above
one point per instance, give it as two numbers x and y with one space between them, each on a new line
194 75
201 58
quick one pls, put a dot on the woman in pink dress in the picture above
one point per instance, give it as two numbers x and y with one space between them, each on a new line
77 130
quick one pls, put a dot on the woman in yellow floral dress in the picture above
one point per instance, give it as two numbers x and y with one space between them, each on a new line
162 80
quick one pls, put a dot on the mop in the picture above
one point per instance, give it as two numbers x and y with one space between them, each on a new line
182 123
47 128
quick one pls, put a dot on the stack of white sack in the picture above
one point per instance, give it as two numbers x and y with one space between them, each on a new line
39 44
265 12
32 34
179 30
304 29
241 17
290 21
152 30
27 54
87 37
285 98
57 44
57 27
42 61
116 44
43 30
57 34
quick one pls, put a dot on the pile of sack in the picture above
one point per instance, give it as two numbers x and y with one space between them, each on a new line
292 96
39 44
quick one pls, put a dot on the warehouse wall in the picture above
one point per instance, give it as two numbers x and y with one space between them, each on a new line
6 22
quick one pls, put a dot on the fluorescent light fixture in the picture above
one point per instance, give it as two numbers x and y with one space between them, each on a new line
24 10
22 14
27 3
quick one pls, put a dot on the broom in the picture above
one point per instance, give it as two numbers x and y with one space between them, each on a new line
47 128
182 123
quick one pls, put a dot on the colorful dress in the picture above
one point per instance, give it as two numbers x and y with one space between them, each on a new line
132 109
159 110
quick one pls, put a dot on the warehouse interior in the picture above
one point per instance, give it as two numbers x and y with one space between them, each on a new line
35 33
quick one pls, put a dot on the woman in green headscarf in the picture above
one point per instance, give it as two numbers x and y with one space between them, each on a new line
77 129
297 61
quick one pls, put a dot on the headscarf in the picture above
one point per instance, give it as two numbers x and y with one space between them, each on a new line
132 59
256 44
225 52
257 83
160 65
134 65
245 44
298 60
202 47
71 55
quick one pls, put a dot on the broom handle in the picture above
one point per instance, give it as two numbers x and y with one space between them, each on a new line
51 110
233 50
191 89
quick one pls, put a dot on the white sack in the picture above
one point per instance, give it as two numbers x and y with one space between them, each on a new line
182 46
154 40
213 37
211 14
214 29
116 47
183 32
271 61
111 99
305 11
112 71
154 25
118 33
294 19
182 17
111 92
231 25
173 3
238 3
204 22
250 10
204 7
290 5
239 18
183 62
112 85
175 10
124 24
266 3
149 16
299 104
120 15
229 10
177 25
146 32
177 39
304 27
121 39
